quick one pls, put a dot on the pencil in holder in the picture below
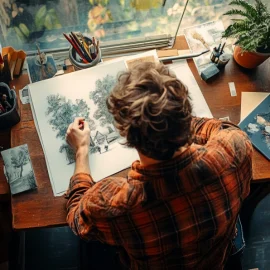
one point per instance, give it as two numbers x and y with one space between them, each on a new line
77 60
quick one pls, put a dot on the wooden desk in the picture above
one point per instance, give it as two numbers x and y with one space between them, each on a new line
41 209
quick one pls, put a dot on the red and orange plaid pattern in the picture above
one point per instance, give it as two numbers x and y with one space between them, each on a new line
178 214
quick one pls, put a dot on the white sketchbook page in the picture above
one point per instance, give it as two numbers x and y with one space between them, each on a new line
249 101
183 73
74 86
40 138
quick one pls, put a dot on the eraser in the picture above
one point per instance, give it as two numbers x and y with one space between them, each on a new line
209 72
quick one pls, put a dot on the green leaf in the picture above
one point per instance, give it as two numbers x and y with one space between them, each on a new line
39 18
238 12
248 7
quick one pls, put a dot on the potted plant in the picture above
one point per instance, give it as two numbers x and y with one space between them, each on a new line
252 32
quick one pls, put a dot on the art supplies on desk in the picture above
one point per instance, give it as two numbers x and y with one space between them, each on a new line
9 115
257 126
57 101
84 51
18 169
208 36
38 72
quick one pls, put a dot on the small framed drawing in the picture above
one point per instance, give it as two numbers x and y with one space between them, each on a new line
18 169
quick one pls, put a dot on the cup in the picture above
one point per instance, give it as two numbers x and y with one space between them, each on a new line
75 59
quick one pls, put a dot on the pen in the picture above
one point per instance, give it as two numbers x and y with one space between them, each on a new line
39 54
97 46
221 50
92 51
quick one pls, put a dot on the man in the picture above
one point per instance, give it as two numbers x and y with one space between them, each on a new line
177 208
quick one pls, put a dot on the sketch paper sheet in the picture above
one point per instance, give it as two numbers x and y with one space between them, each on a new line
184 74
57 101
69 96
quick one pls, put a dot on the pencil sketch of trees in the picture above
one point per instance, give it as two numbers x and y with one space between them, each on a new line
99 96
19 159
62 112
102 139
19 169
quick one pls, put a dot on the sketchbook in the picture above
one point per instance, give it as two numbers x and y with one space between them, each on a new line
56 102
257 126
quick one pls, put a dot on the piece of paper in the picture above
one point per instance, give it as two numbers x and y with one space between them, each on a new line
57 101
199 104
249 101
24 97
232 89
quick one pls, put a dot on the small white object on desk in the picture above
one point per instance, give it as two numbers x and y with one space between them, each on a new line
24 97
232 89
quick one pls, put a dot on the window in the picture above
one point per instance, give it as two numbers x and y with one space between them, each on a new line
25 22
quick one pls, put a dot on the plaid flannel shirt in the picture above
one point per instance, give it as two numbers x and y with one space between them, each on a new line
178 214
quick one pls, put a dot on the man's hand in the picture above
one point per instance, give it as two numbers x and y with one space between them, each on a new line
78 137
78 134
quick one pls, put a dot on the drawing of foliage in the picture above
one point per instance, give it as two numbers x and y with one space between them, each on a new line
70 155
30 180
63 113
99 96
19 158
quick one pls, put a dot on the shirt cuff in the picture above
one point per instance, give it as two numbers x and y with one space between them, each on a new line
79 180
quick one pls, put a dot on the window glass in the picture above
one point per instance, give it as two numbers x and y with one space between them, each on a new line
25 22
201 11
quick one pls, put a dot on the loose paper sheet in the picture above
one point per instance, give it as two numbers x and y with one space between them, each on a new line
55 103
249 101
183 72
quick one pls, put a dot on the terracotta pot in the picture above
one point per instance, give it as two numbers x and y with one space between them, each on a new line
249 59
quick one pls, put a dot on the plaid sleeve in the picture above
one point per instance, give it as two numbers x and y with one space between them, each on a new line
205 128
91 206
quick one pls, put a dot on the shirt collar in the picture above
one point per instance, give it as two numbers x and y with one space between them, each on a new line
150 172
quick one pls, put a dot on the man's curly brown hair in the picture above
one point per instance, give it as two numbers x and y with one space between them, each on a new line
152 110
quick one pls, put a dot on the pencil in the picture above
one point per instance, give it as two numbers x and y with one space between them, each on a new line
81 47
75 47
221 50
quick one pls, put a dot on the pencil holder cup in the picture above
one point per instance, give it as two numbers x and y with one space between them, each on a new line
75 59
10 117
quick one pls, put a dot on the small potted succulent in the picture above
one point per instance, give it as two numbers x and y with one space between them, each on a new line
252 32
